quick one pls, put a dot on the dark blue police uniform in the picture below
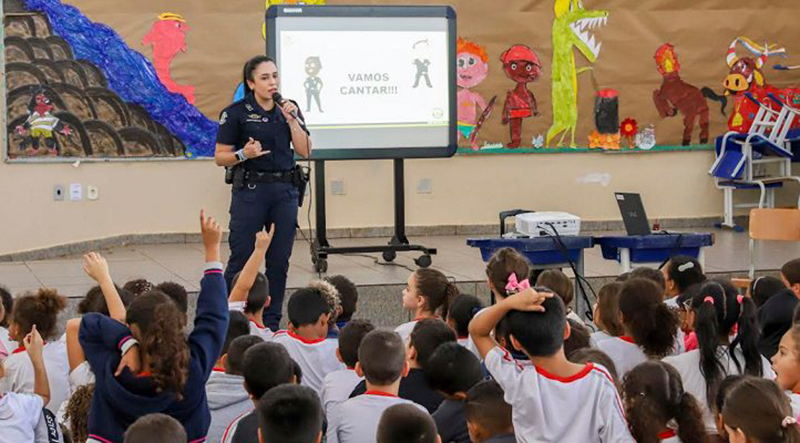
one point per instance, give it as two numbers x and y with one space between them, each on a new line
267 197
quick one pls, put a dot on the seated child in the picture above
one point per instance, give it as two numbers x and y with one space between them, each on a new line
238 325
579 338
382 363
488 415
539 326
757 411
657 407
250 288
786 364
427 336
339 384
8 306
763 288
155 427
650 326
606 313
649 274
427 294
38 309
176 292
150 365
504 263
290 413
138 286
461 312
227 397
264 366
775 315
21 412
405 424
348 294
680 272
453 370
719 402
309 312
561 285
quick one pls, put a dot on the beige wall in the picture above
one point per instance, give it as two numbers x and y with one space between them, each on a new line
164 197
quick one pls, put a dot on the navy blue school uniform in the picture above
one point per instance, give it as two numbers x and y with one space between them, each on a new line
257 205
119 401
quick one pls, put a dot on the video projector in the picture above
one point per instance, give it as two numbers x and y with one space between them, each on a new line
539 224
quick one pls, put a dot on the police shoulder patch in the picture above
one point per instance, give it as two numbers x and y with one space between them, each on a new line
223 118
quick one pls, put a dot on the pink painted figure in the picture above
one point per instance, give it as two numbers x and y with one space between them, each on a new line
168 37
472 68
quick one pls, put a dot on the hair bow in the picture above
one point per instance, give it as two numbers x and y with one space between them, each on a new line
516 286
709 299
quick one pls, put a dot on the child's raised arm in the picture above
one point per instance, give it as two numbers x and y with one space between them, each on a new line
34 345
96 267
480 328
248 275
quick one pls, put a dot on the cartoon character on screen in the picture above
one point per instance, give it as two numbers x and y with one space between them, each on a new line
472 67
41 126
313 83
522 66
422 62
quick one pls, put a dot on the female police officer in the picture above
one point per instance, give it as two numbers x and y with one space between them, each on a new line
254 137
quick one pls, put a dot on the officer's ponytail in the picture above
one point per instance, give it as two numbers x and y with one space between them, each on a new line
249 67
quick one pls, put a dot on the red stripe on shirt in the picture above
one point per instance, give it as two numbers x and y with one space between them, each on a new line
627 339
305 340
586 369
99 438
666 434
257 325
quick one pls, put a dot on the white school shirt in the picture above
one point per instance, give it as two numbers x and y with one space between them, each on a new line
81 375
470 345
265 332
405 329
19 416
794 398
356 420
317 358
688 365
19 376
337 388
625 354
6 341
545 408
597 337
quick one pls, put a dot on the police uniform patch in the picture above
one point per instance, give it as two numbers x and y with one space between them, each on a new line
249 108
223 118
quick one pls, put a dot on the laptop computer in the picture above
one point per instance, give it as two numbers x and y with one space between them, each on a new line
633 215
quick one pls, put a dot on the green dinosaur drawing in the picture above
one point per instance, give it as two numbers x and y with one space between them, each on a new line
570 28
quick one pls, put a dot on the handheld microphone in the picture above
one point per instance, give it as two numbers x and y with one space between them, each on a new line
278 98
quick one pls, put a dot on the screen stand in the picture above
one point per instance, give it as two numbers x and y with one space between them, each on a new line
321 248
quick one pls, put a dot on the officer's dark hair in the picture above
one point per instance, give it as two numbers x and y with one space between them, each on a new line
238 325
290 414
306 306
236 351
265 366
452 369
350 338
541 334
257 296
249 67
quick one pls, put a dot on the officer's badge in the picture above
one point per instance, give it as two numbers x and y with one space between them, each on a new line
249 108
254 116
223 118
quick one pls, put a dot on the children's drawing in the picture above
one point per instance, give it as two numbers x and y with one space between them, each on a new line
571 28
675 95
41 126
168 37
313 84
472 67
522 66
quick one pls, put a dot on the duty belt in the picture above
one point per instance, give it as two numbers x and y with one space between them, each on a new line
255 176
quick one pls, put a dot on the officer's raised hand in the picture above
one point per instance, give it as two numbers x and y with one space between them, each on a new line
253 149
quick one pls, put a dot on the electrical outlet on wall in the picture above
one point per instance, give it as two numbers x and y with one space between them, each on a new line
337 187
92 193
425 186
75 192
58 192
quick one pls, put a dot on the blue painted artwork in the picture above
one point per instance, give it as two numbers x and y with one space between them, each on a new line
130 74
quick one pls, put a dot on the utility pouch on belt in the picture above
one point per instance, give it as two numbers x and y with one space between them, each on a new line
238 174
300 178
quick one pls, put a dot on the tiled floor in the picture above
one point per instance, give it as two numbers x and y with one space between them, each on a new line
183 263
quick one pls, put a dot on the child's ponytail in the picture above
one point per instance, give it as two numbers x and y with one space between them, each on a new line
161 323
689 418
747 337
653 325
436 289
706 326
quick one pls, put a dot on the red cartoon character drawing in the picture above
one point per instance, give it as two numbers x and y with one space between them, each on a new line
472 68
522 66
41 124
168 37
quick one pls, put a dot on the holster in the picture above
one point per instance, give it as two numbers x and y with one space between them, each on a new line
300 178
235 175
